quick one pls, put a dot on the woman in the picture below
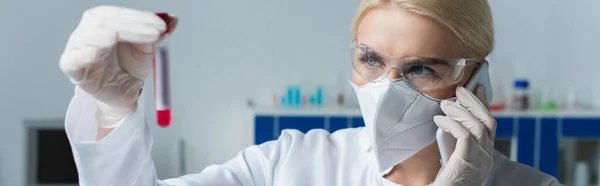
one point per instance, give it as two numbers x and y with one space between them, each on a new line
411 58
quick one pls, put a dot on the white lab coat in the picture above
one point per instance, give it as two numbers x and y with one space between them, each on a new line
317 158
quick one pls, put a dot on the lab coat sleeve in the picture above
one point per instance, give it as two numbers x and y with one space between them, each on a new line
507 172
123 156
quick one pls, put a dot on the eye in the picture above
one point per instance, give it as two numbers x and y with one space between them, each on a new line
372 60
421 70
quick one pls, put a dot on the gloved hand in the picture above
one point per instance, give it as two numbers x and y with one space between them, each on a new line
474 128
109 55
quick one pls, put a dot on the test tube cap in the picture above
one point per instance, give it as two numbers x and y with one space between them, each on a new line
170 19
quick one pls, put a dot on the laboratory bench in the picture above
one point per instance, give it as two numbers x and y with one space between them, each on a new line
532 138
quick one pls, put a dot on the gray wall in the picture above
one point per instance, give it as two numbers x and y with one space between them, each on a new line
226 51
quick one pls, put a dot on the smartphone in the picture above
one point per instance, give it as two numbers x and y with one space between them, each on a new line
481 76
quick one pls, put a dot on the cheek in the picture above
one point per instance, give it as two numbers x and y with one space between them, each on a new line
450 91
443 93
357 79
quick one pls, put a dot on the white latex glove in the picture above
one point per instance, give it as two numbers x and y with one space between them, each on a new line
109 55
470 122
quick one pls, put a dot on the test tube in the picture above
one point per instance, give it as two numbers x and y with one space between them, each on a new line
162 88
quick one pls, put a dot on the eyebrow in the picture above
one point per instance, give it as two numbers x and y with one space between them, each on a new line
411 60
371 49
367 48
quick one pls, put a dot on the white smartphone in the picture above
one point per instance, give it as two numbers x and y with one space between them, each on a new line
481 76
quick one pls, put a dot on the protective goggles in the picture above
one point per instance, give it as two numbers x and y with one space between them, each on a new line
424 74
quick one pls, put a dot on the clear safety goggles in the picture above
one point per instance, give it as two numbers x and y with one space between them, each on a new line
423 74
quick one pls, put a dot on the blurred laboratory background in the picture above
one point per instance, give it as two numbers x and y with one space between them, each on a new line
244 70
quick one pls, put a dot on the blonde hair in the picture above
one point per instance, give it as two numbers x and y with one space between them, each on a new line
469 20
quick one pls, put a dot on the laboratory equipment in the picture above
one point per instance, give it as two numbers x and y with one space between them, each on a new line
305 100
496 106
340 99
498 101
277 98
342 82
162 89
317 98
572 102
293 98
546 101
520 97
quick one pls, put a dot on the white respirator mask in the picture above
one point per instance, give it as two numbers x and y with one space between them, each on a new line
399 119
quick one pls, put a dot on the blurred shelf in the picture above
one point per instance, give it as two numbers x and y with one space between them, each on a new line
355 111
558 113
307 111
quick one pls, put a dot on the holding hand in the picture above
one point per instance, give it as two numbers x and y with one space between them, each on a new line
469 121
109 55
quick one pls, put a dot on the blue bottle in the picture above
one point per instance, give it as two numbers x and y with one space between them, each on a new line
297 97
319 96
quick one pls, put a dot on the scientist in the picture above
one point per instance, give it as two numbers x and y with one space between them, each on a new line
411 60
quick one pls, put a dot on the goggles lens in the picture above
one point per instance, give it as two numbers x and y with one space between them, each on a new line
424 74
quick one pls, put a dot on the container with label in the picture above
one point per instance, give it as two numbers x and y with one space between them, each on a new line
520 98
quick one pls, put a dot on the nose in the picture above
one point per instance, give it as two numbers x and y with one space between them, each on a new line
393 74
